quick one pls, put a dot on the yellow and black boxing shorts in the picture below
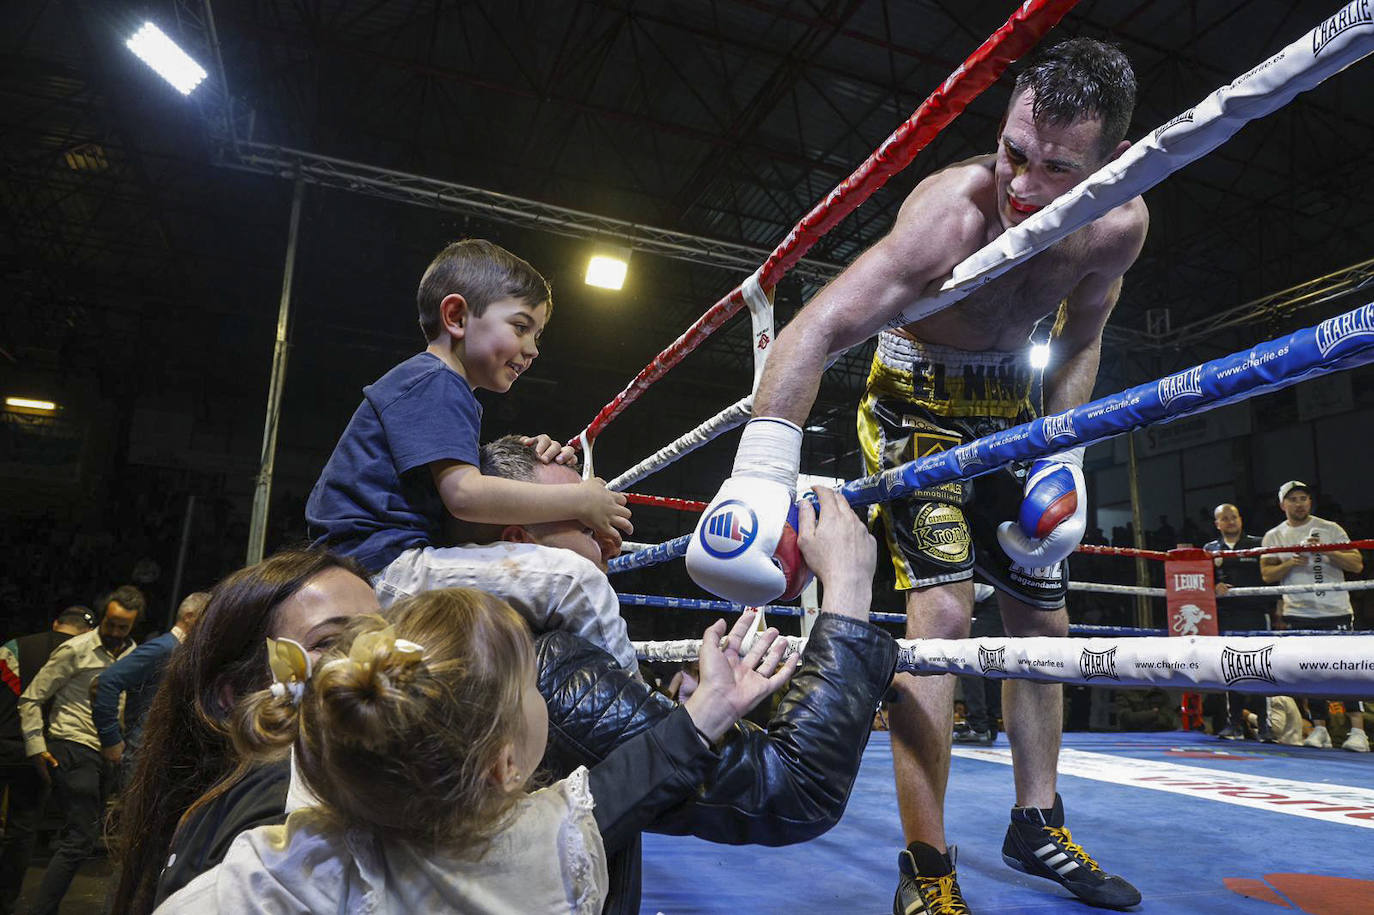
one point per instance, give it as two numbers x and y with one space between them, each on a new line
921 399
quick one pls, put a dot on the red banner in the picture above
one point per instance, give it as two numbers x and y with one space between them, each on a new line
1190 590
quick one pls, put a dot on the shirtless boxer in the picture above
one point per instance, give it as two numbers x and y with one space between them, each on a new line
955 376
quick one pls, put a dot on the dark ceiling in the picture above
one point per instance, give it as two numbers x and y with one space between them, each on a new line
143 251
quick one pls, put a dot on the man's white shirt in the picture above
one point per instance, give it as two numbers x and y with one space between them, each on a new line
1319 569
551 588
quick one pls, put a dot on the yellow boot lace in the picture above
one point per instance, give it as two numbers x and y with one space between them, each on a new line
1073 848
947 899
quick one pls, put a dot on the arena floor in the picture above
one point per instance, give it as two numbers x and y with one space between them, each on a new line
1198 825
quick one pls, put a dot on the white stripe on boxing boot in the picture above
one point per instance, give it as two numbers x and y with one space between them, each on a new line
1047 854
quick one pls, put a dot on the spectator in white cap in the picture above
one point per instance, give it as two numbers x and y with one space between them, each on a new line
1317 608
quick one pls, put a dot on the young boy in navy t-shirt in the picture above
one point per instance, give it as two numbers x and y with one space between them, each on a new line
409 457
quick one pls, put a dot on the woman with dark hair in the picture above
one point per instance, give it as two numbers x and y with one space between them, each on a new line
187 764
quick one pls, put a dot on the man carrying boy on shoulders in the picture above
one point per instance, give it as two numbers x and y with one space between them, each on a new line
409 460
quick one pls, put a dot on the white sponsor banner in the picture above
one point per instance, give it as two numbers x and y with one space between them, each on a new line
1300 665
1296 665
1330 803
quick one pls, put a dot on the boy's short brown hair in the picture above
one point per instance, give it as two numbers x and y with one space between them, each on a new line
482 273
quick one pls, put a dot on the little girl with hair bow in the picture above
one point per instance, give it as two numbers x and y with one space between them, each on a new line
420 735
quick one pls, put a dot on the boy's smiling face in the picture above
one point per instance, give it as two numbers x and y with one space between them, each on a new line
501 344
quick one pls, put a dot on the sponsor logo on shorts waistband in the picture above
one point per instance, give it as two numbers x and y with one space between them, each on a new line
1334 331
1184 384
1094 664
1354 14
1247 665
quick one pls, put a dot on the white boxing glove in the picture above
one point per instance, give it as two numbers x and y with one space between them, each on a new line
731 551
1054 512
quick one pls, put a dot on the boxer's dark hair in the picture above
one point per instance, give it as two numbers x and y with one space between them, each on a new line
1082 78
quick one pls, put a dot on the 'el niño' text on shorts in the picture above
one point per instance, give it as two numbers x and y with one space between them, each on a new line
921 399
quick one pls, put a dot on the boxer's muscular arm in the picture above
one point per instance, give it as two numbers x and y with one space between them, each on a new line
1088 307
1079 343
1053 511
936 228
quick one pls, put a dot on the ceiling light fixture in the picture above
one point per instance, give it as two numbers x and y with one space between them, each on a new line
608 267
173 64
29 405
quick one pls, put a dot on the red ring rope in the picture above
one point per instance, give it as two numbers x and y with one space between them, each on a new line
983 67
1198 553
1094 549
686 505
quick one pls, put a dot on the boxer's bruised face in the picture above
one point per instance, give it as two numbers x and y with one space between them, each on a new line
1038 162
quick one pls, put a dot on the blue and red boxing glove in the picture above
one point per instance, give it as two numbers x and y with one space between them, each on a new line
744 547
1054 512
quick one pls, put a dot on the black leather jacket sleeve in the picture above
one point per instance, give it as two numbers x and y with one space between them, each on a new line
787 783
645 775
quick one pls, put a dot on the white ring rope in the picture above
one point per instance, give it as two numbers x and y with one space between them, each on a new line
737 414
1331 665
1096 587
1363 584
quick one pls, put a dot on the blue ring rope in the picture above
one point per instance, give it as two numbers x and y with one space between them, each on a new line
1338 343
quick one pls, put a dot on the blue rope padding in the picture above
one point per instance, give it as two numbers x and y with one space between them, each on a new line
1338 343
881 616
